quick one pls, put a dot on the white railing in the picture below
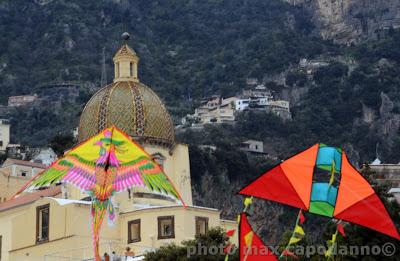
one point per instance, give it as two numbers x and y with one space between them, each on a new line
86 253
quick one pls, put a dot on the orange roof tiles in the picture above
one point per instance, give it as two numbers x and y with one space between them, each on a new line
25 163
29 198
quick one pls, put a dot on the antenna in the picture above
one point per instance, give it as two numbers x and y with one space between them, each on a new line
125 13
103 80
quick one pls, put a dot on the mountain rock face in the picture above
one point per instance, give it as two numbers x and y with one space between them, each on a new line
352 21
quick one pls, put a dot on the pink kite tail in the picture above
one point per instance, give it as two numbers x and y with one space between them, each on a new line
98 213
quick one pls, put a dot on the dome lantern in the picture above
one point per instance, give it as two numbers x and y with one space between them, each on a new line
126 63
128 104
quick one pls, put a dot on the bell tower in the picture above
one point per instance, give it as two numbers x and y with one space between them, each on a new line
126 62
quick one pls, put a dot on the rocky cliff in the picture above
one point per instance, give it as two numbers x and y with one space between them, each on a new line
352 21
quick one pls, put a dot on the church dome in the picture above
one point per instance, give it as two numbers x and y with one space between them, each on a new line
129 105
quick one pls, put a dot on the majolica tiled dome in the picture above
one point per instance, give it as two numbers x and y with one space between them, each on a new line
128 104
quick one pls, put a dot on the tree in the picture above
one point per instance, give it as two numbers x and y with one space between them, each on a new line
208 247
61 142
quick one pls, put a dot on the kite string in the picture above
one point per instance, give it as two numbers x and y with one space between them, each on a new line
293 234
332 247
247 202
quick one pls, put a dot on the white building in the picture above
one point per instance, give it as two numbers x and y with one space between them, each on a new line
395 192
216 110
252 146
44 156
4 134
279 107
252 103
257 98
386 173
242 104
219 110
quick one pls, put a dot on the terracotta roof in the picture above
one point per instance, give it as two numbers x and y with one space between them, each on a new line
29 198
25 163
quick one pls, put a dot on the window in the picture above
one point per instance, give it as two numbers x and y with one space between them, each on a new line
42 223
201 225
134 231
23 174
159 159
117 69
1 143
166 227
131 68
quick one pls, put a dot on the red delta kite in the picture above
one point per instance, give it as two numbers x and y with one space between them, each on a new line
322 181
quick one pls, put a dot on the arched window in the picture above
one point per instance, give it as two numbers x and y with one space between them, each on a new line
117 69
159 158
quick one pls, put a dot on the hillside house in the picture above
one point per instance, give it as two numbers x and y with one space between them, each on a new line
252 146
21 100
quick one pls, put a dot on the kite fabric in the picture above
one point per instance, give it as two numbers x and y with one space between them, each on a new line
228 248
108 163
302 218
230 233
251 247
322 181
340 228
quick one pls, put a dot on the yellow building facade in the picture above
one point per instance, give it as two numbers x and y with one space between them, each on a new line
14 174
54 224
